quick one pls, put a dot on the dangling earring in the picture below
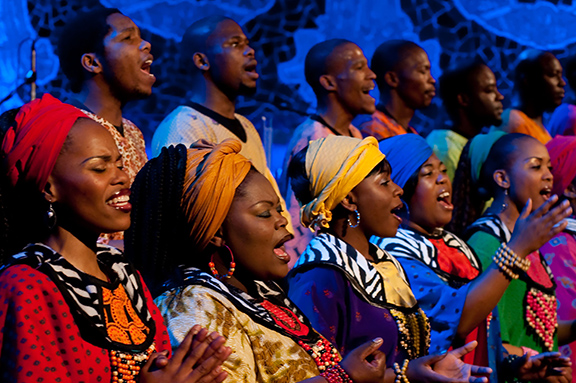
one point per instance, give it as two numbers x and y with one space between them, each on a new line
51 217
231 268
504 204
357 220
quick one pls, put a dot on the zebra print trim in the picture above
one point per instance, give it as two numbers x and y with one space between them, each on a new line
83 293
249 305
410 244
491 224
328 250
571 228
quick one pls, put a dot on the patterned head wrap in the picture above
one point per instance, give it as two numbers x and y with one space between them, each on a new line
213 173
479 150
32 145
562 151
334 166
405 153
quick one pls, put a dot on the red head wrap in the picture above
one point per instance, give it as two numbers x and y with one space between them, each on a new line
562 151
31 147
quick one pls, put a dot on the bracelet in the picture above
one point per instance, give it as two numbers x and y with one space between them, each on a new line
336 374
401 372
508 261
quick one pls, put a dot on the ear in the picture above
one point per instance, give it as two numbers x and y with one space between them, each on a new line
349 202
463 99
218 239
570 192
501 178
391 79
328 82
50 192
91 63
201 61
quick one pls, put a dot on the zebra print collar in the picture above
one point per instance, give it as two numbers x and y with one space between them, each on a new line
327 250
491 224
410 244
571 228
83 293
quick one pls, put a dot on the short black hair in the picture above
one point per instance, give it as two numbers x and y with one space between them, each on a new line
82 34
387 56
317 62
458 80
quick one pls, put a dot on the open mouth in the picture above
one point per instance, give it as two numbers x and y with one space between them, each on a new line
546 193
280 250
445 200
397 211
120 200
367 89
251 69
146 67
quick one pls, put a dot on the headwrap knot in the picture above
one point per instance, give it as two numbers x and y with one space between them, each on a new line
213 173
334 166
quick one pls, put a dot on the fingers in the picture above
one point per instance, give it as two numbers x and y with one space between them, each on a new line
160 360
431 359
379 360
211 370
479 370
368 348
184 347
461 351
478 379
198 352
527 209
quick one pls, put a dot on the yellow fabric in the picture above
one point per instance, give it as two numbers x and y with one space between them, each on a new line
259 354
213 173
396 288
334 166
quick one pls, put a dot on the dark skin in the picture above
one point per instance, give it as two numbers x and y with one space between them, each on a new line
409 87
225 70
347 83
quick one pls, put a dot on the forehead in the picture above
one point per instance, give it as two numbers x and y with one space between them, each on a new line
529 148
483 76
549 62
343 56
118 22
87 136
413 57
255 188
225 30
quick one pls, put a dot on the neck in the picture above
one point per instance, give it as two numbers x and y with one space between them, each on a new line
80 252
509 215
337 117
428 231
465 127
397 108
355 237
100 99
210 96
533 110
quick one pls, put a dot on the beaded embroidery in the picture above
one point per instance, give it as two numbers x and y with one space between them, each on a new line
541 315
126 366
414 332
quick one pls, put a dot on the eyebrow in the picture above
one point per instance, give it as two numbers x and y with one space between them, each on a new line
106 158
271 203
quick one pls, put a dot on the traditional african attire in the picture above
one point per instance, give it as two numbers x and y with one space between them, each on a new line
515 121
264 331
563 121
528 298
382 125
311 129
447 145
188 124
351 300
62 325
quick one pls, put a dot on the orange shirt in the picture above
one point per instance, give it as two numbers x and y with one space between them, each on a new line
515 121
382 126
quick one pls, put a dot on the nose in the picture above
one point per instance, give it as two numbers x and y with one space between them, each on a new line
398 191
548 176
282 221
562 82
442 178
249 51
432 80
371 74
145 45
121 177
499 96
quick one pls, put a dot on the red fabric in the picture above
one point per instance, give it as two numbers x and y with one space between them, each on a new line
32 146
453 261
562 151
40 341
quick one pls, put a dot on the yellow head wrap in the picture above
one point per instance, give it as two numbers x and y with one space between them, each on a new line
213 173
334 166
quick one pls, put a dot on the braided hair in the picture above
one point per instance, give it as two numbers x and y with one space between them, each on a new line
157 234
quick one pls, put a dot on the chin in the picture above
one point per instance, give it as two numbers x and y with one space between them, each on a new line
247 90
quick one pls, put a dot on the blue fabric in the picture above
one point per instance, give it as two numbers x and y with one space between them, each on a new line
405 153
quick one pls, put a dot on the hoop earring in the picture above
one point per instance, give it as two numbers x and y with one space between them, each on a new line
357 220
50 217
231 268
504 204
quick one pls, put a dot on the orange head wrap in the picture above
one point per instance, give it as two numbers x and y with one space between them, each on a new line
31 146
213 173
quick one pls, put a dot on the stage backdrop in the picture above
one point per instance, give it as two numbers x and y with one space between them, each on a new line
281 32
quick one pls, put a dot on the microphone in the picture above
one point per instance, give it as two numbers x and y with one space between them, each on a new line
31 75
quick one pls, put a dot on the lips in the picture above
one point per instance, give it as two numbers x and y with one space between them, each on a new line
396 212
250 69
546 193
280 250
120 200
445 200
146 66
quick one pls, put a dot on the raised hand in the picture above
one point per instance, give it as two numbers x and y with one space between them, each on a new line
360 369
195 361
533 230
541 366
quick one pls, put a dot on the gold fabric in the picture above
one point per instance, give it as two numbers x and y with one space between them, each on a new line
334 166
